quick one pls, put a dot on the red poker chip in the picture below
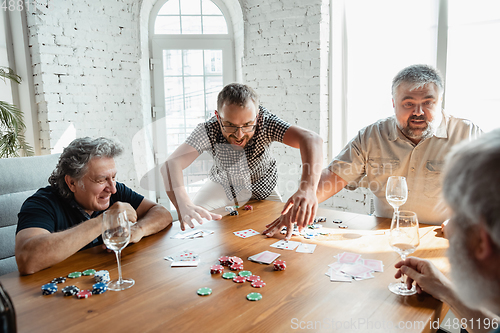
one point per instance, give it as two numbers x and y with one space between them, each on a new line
279 265
258 284
236 267
84 294
239 279
236 260
253 278
224 260
215 269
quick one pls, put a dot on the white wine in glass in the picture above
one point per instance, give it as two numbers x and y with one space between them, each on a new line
404 239
396 192
116 236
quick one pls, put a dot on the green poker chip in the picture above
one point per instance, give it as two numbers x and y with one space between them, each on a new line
254 297
205 291
74 275
88 272
245 273
229 275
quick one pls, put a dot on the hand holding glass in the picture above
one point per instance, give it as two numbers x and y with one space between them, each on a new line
404 239
116 235
396 192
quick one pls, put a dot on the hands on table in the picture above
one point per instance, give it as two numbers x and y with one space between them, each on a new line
300 208
188 212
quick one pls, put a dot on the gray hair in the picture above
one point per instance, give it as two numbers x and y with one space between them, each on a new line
75 158
471 184
236 93
419 76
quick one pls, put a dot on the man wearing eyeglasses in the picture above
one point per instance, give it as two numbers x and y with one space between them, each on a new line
239 139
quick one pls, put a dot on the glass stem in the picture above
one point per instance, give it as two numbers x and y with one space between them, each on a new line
403 257
396 213
118 260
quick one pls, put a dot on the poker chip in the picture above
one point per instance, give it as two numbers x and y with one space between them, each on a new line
234 212
337 221
205 291
240 279
88 272
279 265
253 278
343 226
83 294
245 273
254 297
248 207
102 276
74 275
49 289
235 260
216 269
228 275
229 208
99 288
224 260
70 290
258 284
58 280
236 267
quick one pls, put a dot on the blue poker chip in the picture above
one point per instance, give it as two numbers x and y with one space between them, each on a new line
99 288
49 289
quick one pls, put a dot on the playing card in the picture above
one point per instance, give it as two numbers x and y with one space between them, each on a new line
285 245
367 275
337 276
306 248
375 265
246 233
193 233
265 257
184 258
348 257
355 270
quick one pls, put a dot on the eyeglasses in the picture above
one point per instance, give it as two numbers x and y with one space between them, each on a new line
233 129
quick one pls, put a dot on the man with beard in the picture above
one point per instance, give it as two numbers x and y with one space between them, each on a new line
239 137
412 143
471 190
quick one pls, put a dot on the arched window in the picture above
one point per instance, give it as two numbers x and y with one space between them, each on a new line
192 59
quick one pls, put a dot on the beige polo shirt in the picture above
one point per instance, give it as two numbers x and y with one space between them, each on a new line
380 150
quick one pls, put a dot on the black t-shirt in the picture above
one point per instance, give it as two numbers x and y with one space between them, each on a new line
48 210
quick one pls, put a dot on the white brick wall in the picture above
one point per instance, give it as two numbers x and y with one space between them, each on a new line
90 71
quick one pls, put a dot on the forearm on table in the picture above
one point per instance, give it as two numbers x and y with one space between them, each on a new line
174 183
157 218
311 152
47 249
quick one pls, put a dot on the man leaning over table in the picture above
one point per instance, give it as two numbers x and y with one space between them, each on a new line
66 216
471 188
412 143
239 138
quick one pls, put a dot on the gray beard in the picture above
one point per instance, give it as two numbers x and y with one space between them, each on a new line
426 133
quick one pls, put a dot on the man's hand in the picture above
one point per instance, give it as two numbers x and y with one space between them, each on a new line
426 276
276 226
189 212
124 206
300 208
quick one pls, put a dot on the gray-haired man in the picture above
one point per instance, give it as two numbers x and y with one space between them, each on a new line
66 216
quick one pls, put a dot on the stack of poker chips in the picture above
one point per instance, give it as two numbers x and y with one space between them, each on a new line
216 269
248 207
224 260
279 265
99 288
70 290
102 276
233 213
49 289
83 294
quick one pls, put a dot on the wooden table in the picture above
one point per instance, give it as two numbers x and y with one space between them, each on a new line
301 298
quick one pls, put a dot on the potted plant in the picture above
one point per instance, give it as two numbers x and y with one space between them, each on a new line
12 126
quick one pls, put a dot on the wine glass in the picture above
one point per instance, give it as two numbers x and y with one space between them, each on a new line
396 192
404 239
116 235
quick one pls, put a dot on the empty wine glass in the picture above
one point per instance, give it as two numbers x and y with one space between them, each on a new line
396 191
404 239
116 235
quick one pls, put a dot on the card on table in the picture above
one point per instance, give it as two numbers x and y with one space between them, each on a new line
265 257
246 233
337 276
186 258
355 270
193 233
348 257
306 248
375 265
285 245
